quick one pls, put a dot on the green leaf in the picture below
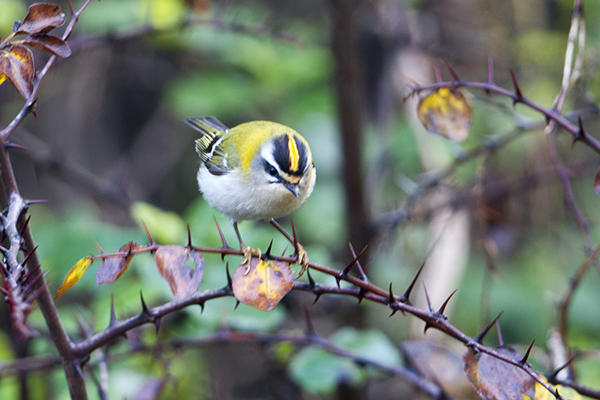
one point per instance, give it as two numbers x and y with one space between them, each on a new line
370 344
165 226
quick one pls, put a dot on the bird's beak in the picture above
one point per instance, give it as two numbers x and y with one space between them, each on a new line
293 187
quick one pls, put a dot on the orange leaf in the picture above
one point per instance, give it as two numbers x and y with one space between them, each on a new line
17 64
50 44
112 268
496 379
172 262
447 113
41 18
74 275
264 284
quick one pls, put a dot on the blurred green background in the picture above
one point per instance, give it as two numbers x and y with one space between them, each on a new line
109 150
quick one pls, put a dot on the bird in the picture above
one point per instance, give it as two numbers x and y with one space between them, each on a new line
255 170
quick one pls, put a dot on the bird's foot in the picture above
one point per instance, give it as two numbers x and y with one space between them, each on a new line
248 252
302 259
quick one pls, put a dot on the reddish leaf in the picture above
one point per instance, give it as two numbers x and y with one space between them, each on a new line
112 268
263 285
494 379
172 262
50 44
74 275
17 64
597 182
41 18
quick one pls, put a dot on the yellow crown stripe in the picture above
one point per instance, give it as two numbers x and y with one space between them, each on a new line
294 156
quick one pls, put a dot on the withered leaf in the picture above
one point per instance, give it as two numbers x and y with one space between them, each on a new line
112 268
41 18
264 284
74 275
541 393
494 379
17 64
172 260
50 44
597 182
446 112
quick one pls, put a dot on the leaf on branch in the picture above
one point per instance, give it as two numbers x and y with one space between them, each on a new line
74 275
494 379
446 112
112 268
541 393
41 18
264 284
172 262
50 44
17 64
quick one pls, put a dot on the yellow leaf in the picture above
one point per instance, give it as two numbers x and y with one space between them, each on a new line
541 393
74 275
263 285
447 113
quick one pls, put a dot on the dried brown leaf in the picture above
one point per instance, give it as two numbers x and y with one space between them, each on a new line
18 66
41 18
494 379
446 112
172 263
264 284
74 275
50 44
112 268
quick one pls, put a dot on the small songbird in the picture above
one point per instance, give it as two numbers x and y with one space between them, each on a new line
256 170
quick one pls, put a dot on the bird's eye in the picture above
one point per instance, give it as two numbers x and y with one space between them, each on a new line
271 170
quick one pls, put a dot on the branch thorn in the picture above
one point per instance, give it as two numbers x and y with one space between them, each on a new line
451 70
405 298
518 94
145 309
479 338
526 356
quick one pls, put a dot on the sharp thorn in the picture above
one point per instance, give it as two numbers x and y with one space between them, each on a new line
113 318
361 295
150 238
394 311
31 284
518 94
37 201
440 312
361 271
189 232
28 256
317 297
391 297
201 307
552 375
157 324
526 356
229 280
294 236
311 281
346 270
145 309
98 246
479 338
37 292
499 332
338 280
451 70
25 225
438 75
223 241
427 298
405 298
427 326
237 303
11 145
310 329
268 252
490 79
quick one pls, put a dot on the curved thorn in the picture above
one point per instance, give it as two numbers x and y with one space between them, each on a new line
405 298
490 78
237 303
145 309
427 298
451 70
391 298
427 326
201 304
518 94
268 252
551 376
311 281
361 295
317 297
189 232
444 304
394 311
526 356
28 256
479 338
229 280
499 332
150 238
113 318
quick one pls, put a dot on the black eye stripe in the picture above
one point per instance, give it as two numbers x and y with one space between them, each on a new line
269 169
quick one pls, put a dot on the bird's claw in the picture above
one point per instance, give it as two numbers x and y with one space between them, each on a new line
248 252
302 259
